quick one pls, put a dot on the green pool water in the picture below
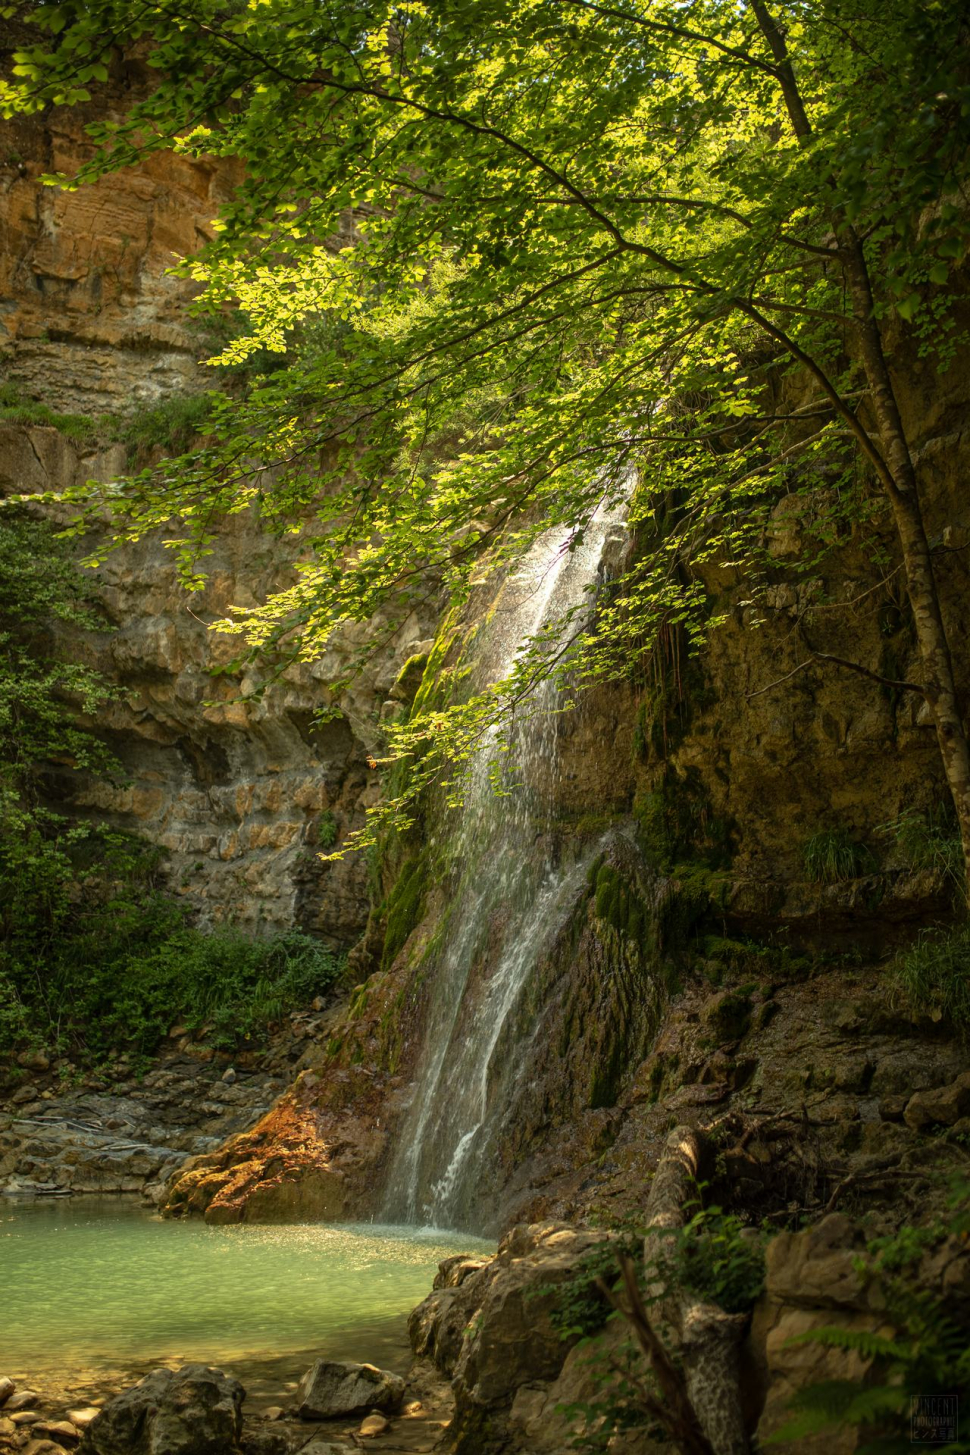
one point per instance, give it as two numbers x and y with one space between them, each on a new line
100 1286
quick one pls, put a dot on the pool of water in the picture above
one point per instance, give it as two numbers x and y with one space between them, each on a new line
100 1286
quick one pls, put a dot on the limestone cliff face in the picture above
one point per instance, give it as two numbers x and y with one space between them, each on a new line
91 319
242 795
704 967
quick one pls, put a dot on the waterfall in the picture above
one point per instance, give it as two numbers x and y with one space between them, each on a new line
514 894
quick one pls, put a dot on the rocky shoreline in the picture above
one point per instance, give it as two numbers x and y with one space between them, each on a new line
493 1369
97 1416
125 1128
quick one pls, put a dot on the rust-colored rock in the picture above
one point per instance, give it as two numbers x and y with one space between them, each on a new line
303 1161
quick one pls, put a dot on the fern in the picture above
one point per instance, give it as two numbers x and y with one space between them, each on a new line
929 1355
859 1341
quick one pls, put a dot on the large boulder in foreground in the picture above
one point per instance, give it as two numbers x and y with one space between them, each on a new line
190 1411
332 1388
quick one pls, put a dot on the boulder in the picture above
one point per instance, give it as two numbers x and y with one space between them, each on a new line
818 1267
453 1271
942 1106
7 1388
513 1341
191 1411
437 1326
425 1321
332 1388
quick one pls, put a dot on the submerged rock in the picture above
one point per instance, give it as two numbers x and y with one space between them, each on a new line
21 1401
84 1416
374 1425
331 1388
192 1411
62 1431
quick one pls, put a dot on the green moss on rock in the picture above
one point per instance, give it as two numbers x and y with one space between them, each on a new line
404 906
729 1018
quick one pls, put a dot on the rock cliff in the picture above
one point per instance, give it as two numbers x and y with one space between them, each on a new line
92 320
243 796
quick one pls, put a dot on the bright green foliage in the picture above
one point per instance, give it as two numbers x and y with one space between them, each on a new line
532 251
832 855
932 977
929 1354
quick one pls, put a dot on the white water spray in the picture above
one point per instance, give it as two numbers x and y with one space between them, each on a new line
513 897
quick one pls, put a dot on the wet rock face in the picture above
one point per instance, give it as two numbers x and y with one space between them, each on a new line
311 1157
194 1411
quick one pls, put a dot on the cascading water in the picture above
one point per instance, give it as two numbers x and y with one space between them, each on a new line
514 894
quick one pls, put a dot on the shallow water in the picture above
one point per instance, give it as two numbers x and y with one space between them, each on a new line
100 1286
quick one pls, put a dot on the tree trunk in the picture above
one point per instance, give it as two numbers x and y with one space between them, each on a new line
901 485
897 475
709 1338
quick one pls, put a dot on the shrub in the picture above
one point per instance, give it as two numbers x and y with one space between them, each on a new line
171 425
713 1256
930 841
932 977
123 965
81 428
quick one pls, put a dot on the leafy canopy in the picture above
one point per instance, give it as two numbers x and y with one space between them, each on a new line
518 253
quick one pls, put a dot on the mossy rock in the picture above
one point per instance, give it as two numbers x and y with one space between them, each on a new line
729 1017
676 823
409 678
619 904
404 906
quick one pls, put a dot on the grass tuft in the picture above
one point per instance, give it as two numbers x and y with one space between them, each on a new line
932 977
832 857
